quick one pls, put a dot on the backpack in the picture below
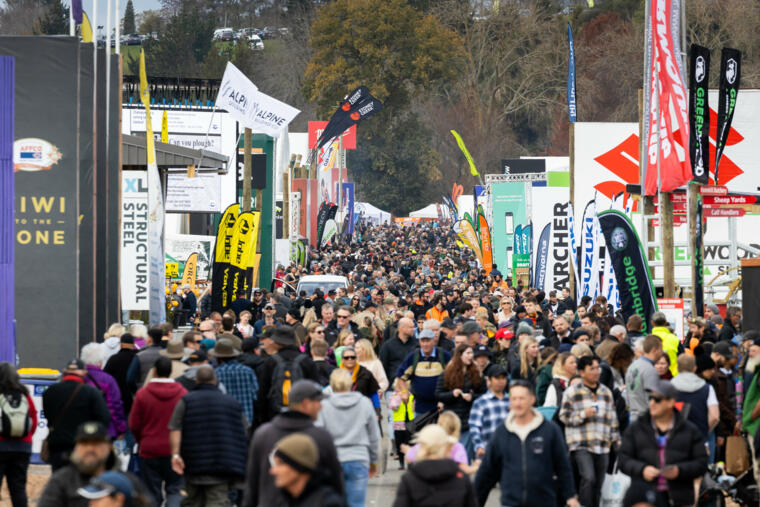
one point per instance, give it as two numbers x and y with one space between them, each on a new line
418 356
15 419
285 374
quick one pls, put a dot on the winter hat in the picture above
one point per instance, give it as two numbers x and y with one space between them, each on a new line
299 451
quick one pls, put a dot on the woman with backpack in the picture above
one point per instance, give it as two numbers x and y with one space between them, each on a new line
19 418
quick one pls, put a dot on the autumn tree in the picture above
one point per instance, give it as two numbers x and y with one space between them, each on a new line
400 54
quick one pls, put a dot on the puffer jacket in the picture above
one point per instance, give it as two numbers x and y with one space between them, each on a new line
435 483
107 385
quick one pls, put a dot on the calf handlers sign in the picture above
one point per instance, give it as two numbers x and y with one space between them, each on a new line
630 265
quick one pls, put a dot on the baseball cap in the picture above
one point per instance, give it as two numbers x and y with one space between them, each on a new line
724 349
426 334
75 364
448 323
664 388
504 334
92 430
269 306
197 356
305 390
481 350
495 370
108 483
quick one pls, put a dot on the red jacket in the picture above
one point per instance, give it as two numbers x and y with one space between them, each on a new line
151 411
27 439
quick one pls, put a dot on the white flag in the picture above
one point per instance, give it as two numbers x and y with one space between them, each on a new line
253 109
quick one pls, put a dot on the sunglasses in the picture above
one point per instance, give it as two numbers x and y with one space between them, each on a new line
320 331
342 316
656 399
197 341
349 358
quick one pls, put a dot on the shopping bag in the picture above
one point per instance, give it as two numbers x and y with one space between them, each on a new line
614 488
737 455
422 420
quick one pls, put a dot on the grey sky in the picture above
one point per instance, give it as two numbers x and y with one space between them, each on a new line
140 5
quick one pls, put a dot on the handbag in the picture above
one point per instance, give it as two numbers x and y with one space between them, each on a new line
45 448
737 456
614 488
421 421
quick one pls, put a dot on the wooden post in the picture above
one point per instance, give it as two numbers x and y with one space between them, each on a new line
668 265
571 156
248 148
286 198
693 191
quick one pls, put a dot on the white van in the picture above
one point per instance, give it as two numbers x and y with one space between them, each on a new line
310 283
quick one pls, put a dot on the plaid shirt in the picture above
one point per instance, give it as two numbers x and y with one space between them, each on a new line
597 433
487 413
240 382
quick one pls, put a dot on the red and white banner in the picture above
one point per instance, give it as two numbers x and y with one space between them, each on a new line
668 96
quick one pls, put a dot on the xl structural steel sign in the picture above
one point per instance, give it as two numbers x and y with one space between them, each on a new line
134 240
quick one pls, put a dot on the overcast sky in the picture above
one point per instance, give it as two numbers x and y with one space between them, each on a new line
140 5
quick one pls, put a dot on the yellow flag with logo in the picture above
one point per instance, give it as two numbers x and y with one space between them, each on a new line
191 269
242 239
221 272
251 265
86 28
467 234
164 128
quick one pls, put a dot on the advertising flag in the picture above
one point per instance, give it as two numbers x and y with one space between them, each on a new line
574 251
76 9
157 267
630 265
220 272
341 115
164 128
467 234
699 113
456 191
666 94
571 103
322 217
542 258
348 202
485 243
331 229
590 245
191 270
242 243
730 74
518 248
252 265
86 28
460 143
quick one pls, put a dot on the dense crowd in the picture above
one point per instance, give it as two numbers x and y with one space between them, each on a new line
284 398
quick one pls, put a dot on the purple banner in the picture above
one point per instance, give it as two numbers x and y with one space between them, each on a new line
7 119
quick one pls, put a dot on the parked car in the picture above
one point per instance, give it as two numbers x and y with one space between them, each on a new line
284 32
132 39
224 34
255 42
270 32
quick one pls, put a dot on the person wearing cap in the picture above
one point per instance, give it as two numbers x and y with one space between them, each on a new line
421 370
538 319
175 351
587 410
662 451
732 324
293 319
671 345
207 439
268 319
91 456
67 405
189 304
350 418
92 356
482 356
149 423
305 404
294 465
524 455
118 366
239 380
110 489
641 376
725 388
490 410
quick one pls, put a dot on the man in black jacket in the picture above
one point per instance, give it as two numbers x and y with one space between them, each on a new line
67 405
394 351
118 366
305 404
662 451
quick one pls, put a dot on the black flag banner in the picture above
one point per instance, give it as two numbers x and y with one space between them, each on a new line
699 272
348 105
361 110
322 217
699 113
220 278
730 74
630 265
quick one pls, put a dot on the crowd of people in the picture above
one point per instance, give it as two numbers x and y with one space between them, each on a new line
284 398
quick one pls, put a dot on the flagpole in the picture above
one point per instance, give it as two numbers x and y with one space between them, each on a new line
72 23
94 152
117 34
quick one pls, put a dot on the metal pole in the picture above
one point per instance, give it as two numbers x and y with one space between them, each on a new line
72 24
117 34
340 184
248 148
571 153
308 205
94 158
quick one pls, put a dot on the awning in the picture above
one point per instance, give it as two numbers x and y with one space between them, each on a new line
170 155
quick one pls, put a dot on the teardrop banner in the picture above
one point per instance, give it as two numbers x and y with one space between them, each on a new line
220 277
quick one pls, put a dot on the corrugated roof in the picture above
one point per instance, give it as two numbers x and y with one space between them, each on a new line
170 155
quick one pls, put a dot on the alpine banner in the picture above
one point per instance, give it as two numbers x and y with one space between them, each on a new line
666 96
699 113
630 265
220 277
542 258
571 103
590 251
730 74
697 267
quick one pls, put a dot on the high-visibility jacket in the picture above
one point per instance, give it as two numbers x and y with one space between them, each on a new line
405 411
435 313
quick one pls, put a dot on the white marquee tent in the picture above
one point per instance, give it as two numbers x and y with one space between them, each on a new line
371 213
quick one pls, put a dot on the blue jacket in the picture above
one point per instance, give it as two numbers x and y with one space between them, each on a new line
525 468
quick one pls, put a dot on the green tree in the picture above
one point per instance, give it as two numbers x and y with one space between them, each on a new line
55 20
128 24
150 21
400 54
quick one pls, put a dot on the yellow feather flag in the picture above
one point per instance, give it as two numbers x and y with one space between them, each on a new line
191 268
467 234
150 143
460 143
86 28
164 129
